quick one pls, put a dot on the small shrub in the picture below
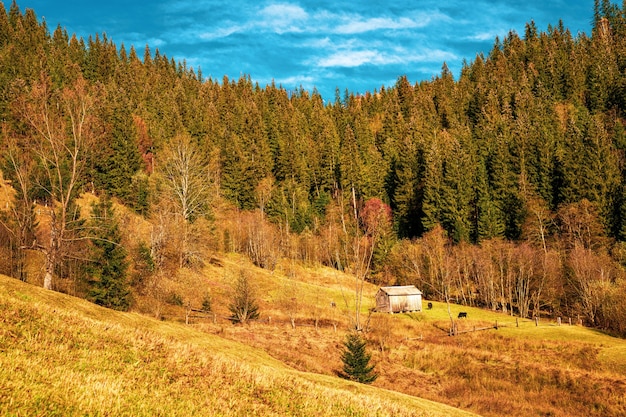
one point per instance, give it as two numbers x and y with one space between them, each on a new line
244 306
206 304
175 299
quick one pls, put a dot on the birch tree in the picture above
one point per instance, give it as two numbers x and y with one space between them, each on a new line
62 129
185 171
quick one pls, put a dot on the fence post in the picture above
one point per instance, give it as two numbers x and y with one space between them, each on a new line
516 322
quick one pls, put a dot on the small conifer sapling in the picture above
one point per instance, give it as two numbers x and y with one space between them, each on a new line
355 360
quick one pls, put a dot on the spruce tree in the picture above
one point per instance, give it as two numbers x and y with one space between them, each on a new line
107 270
356 360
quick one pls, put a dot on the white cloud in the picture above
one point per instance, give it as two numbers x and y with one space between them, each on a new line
354 24
355 58
278 18
349 59
284 11
282 18
318 43
376 23
221 32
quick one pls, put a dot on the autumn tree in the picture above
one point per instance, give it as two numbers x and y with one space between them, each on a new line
360 237
376 219
63 130
243 305
439 266
591 276
20 221
188 187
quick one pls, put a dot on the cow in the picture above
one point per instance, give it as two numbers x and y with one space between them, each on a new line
462 315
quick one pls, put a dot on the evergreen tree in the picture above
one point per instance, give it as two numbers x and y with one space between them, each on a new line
456 192
356 360
488 217
433 183
107 270
405 173
117 159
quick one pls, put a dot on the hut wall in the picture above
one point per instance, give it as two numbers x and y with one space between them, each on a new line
382 303
405 303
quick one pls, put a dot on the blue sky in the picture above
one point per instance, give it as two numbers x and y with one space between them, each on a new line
326 44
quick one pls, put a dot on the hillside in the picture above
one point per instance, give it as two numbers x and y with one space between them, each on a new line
518 369
52 341
139 185
64 356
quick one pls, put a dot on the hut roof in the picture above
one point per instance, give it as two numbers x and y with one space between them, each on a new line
401 290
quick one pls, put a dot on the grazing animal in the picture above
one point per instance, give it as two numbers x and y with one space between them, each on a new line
430 306
462 315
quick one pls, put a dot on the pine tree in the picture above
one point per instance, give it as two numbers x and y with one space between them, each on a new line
433 183
117 159
405 173
356 360
456 192
107 270
489 218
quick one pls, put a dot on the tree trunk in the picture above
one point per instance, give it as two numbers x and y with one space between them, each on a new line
52 251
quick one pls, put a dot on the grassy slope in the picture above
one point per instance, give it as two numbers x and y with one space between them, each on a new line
516 371
64 356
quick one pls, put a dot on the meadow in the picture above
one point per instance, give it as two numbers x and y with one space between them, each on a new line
61 355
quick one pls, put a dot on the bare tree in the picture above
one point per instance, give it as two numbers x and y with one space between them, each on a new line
591 277
185 171
21 222
63 130
485 272
243 306
439 264
525 278
289 300
361 231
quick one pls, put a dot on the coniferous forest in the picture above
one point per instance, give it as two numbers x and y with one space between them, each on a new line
503 188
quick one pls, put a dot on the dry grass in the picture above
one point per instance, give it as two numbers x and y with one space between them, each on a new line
63 356
520 369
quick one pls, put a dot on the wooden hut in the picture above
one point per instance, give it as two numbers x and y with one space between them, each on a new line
398 299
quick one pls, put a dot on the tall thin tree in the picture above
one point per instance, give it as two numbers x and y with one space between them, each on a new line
62 129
